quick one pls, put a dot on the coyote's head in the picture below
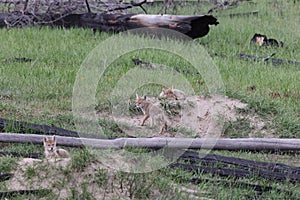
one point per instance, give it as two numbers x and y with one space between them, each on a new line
139 100
50 144
166 92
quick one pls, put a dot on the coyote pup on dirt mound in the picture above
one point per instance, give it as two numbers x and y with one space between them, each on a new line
152 111
172 93
51 151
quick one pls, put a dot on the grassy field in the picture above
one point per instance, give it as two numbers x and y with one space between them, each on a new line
41 92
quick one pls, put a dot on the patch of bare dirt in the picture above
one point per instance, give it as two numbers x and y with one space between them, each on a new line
95 180
195 116
58 176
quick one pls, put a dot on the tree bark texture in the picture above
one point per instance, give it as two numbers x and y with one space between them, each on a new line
254 144
193 26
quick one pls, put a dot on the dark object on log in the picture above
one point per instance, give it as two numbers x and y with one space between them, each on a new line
4 177
275 61
23 155
192 26
10 194
237 168
35 128
262 40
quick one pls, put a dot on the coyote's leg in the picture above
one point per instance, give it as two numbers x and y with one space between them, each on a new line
144 119
163 128
152 121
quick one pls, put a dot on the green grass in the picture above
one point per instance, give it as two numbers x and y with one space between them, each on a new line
41 91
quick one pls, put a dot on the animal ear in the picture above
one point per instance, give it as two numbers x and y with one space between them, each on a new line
137 96
45 139
54 138
144 97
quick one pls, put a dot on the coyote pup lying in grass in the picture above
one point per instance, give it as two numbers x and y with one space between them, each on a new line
172 93
51 151
152 111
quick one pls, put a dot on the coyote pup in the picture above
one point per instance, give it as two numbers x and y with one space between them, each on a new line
152 111
51 151
172 93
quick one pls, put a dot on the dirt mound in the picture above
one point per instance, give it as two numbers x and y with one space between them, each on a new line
195 116
94 181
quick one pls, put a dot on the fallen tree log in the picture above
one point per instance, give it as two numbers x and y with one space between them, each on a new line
254 144
238 173
236 167
193 26
225 161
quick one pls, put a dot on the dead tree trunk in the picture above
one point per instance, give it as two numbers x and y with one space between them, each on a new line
192 26
251 144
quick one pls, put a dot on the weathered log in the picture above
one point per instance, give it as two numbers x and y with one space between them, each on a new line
193 26
218 160
235 167
26 127
255 144
238 173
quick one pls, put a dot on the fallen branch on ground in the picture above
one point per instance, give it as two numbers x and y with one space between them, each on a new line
217 160
225 166
275 61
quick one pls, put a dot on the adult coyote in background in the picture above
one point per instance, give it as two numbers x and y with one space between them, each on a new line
153 112
51 151
172 93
